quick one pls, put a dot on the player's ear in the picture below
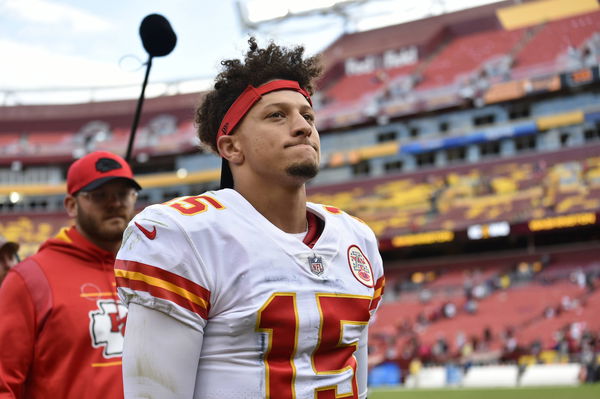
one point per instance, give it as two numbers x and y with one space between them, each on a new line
230 149
70 204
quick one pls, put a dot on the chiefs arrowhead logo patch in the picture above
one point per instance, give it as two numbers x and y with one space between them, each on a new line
150 234
360 266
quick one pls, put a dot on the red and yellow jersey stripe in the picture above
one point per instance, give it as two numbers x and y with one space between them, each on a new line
378 293
163 284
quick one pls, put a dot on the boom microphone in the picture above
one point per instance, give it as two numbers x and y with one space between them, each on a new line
157 35
159 40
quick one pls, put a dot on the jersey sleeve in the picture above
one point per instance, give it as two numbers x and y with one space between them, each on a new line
169 369
17 334
158 267
372 247
379 278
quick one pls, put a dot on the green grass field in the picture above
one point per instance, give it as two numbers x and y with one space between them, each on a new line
581 392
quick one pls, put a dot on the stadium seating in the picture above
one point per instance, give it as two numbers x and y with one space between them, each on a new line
38 146
555 39
30 230
48 143
513 190
465 55
542 302
351 88
9 143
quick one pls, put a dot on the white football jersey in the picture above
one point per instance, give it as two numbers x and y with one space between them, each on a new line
279 319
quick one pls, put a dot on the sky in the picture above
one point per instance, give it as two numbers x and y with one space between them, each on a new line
53 48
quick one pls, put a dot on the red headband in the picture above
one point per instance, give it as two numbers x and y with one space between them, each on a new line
249 97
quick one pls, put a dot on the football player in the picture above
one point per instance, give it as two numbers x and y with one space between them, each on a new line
250 291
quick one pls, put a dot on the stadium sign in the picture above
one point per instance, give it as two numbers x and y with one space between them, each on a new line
580 77
483 231
388 60
561 222
430 237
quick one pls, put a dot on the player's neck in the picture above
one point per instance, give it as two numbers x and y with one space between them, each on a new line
285 207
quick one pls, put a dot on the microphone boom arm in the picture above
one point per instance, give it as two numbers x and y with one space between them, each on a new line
138 111
159 40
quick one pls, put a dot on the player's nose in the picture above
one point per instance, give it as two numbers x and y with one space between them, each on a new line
301 126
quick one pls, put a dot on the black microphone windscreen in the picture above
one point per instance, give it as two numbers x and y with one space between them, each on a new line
157 35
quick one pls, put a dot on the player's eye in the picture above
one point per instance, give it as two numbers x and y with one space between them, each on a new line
276 114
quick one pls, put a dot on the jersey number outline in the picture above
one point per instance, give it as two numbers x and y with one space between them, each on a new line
193 205
278 317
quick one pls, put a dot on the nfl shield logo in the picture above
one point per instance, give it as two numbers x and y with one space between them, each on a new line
316 265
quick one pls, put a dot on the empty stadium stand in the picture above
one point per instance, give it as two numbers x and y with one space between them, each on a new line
557 39
467 55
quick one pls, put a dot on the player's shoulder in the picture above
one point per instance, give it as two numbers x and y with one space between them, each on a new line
191 206
185 215
335 215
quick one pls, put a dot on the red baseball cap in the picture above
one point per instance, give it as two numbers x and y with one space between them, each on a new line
97 168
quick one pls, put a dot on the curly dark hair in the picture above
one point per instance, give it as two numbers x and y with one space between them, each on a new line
260 65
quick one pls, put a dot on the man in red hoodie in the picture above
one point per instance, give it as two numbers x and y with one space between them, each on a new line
62 325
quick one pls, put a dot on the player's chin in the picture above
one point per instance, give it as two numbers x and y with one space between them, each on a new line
304 170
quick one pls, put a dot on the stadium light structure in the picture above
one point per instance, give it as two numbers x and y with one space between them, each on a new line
357 15
254 14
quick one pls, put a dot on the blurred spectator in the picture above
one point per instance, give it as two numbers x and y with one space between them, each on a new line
578 277
567 303
549 312
510 341
415 370
8 256
422 321
425 295
471 306
480 291
488 337
561 343
589 283
466 353
460 340
404 327
440 349
449 310
536 348
589 358
576 331
503 282
468 287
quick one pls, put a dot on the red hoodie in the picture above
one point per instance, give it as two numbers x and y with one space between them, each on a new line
61 331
